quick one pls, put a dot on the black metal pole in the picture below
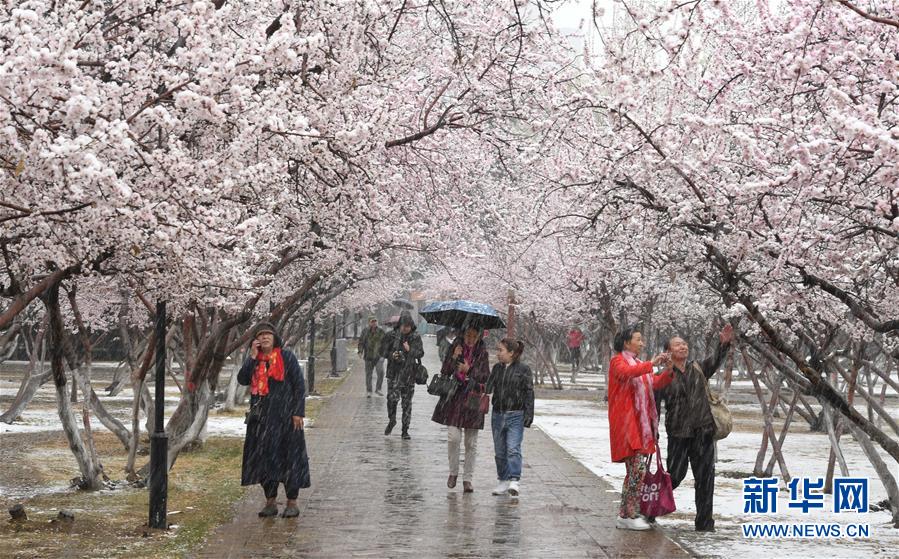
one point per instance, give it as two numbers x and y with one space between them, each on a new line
159 441
334 348
310 375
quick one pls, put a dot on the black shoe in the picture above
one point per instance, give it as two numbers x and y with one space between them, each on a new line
706 528
290 512
390 426
406 435
269 510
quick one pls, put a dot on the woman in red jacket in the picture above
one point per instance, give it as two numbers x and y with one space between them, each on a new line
633 424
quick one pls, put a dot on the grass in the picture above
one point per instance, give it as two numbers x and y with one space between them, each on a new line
203 486
108 523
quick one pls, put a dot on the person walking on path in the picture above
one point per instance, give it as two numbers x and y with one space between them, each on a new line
370 350
274 450
402 349
633 423
689 423
575 338
512 385
467 361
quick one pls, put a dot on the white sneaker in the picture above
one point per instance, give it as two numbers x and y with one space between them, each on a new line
502 488
632 524
513 488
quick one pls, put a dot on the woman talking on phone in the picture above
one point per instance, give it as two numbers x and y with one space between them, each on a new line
274 450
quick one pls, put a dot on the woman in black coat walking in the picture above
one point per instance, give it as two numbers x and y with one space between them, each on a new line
274 449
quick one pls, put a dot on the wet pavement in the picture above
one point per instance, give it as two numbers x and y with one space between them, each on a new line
377 496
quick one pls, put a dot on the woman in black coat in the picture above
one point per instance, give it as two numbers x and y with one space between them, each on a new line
274 449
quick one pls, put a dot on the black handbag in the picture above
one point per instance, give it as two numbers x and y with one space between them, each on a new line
421 373
443 385
254 414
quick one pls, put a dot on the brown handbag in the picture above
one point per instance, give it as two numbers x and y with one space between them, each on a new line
478 401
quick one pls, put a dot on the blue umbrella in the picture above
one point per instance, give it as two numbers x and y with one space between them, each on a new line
461 314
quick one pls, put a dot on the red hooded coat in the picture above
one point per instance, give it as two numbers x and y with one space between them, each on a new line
624 425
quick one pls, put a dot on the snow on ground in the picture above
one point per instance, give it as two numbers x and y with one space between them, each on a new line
43 420
582 429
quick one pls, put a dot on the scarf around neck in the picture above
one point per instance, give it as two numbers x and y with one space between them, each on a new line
267 366
644 402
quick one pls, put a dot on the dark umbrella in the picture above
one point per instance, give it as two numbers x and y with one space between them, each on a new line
461 314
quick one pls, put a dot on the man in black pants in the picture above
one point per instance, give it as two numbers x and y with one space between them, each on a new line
402 348
689 423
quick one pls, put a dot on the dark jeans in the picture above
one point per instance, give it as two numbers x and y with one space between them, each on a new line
370 367
575 355
700 453
271 490
395 393
508 431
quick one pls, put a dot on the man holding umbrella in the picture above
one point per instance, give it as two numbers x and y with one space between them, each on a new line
402 348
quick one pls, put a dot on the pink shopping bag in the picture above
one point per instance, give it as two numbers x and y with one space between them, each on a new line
657 496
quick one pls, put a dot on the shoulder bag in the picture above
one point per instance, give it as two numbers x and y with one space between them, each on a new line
724 421
657 495
478 400
443 385
421 373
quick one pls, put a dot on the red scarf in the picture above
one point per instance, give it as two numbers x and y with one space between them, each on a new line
268 366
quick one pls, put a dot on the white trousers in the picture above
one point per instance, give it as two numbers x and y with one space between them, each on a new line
454 438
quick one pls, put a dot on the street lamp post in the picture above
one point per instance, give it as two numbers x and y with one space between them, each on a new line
334 349
310 375
159 441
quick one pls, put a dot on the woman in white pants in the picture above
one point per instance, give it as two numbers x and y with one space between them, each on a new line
467 362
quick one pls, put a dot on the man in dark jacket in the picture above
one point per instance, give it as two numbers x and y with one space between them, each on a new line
370 350
689 423
402 349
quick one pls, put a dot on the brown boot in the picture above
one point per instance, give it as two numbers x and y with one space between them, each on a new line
451 481
466 487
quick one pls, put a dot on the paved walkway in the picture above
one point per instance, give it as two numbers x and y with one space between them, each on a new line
377 496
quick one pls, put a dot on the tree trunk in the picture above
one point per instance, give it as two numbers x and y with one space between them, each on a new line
823 391
882 469
27 390
35 375
835 451
835 433
230 403
9 341
769 428
90 471
887 417
769 469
